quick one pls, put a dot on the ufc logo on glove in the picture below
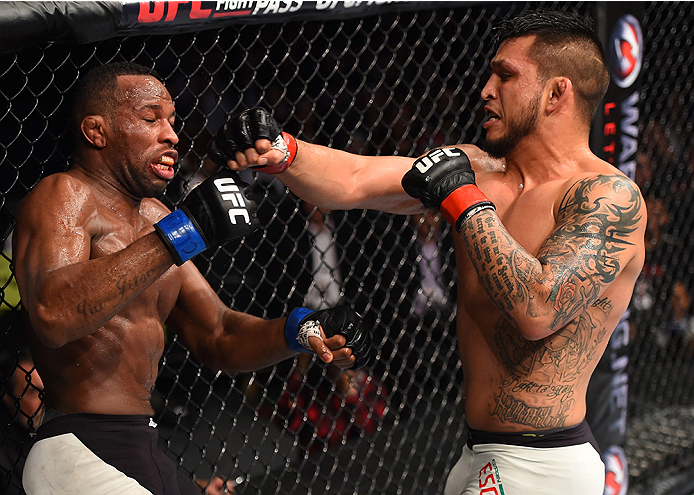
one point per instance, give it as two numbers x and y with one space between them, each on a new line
204 218
231 192
427 161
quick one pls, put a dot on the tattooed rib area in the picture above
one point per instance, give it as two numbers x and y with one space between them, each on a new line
547 368
511 409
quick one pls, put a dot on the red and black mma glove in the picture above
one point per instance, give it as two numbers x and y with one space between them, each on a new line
303 323
243 130
213 213
443 179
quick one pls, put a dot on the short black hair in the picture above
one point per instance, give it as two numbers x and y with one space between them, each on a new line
95 92
547 24
566 45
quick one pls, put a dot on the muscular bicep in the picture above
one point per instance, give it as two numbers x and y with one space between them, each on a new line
220 337
600 228
198 313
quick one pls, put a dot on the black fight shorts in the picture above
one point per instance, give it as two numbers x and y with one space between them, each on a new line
98 453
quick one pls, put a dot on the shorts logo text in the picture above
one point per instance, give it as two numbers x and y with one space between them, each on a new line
489 480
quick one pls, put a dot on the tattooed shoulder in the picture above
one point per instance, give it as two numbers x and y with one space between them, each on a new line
614 195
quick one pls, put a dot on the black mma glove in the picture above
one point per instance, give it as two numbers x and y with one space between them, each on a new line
243 130
213 213
443 179
303 323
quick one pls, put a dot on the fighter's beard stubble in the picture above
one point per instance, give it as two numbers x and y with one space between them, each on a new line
517 130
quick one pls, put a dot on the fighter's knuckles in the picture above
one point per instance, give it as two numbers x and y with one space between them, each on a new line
336 342
240 159
317 345
251 156
343 358
264 145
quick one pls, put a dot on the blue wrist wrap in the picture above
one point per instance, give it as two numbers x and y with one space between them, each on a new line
291 328
181 236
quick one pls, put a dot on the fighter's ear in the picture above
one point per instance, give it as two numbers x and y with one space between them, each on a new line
92 127
558 90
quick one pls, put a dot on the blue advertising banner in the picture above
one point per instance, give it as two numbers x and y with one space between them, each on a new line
614 138
617 127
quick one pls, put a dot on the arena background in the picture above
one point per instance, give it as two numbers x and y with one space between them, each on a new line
374 78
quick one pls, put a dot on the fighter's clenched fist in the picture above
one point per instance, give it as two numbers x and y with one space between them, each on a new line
340 320
237 140
213 213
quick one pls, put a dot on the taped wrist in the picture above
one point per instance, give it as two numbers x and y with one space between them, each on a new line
463 203
181 236
298 329
286 143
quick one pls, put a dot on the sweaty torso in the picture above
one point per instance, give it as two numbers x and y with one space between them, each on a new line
113 370
511 383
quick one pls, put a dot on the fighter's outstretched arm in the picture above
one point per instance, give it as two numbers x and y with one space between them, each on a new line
329 178
233 341
338 180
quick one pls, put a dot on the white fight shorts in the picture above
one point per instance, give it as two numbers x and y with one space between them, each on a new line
564 461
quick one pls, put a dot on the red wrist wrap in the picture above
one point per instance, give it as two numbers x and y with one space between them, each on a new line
460 200
281 167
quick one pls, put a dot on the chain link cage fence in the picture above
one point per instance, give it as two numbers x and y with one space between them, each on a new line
399 81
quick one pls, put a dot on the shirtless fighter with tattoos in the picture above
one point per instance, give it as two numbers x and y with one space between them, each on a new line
549 243
102 265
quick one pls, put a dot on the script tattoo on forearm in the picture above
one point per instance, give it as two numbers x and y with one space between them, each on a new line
126 285
85 308
130 283
581 254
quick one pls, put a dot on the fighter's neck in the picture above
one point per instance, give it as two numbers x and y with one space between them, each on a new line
542 161
106 185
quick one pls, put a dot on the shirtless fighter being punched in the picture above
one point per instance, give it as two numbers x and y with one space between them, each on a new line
549 244
102 265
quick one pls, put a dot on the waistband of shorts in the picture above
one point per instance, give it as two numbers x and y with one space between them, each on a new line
557 437
48 414
56 423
